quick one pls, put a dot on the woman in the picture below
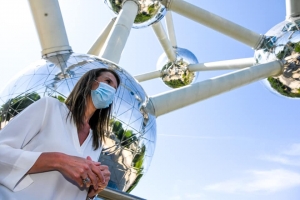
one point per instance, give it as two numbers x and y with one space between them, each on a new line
49 150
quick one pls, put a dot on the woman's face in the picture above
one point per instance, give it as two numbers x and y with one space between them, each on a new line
106 77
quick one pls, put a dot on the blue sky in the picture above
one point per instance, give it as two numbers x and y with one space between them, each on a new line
243 144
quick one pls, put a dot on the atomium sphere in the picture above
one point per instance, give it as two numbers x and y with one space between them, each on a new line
176 74
150 11
283 43
130 143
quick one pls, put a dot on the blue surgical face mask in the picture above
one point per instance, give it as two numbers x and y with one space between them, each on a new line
103 96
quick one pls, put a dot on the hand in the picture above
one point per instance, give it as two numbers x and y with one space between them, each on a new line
106 174
77 169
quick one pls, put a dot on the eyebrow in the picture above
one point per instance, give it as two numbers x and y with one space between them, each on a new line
110 80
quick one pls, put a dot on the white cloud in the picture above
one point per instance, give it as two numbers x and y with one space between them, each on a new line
186 190
259 181
204 137
194 196
291 156
188 196
294 150
177 197
282 160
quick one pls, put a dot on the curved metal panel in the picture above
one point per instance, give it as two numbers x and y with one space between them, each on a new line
130 143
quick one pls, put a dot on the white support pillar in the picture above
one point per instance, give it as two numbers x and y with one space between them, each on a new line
292 8
222 65
98 44
175 99
164 41
50 26
215 22
170 28
148 76
119 34
211 66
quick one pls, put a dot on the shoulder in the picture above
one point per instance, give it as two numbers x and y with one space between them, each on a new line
52 100
47 103
53 103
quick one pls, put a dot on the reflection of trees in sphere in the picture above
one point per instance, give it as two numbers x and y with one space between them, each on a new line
176 74
150 11
283 43
130 143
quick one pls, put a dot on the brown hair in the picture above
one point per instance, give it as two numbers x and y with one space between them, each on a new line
77 101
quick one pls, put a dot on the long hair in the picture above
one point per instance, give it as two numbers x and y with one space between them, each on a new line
77 101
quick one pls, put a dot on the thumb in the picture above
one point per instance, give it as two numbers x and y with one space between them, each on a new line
96 163
89 158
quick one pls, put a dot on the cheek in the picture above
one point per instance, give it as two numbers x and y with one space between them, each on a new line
94 86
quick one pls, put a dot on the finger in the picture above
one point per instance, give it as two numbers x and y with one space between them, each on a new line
94 179
98 172
106 174
104 167
92 192
94 162
105 171
102 187
79 181
95 169
89 158
85 180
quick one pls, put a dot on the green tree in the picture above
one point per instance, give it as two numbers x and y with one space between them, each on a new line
16 105
282 89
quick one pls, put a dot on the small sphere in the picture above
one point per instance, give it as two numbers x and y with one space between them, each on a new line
176 74
150 11
282 42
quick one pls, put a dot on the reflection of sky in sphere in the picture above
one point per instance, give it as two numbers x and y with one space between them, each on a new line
283 43
130 143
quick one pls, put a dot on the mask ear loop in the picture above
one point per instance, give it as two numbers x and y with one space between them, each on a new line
97 81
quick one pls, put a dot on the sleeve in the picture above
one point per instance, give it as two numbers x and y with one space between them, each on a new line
14 161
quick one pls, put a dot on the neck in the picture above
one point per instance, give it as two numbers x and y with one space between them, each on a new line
90 109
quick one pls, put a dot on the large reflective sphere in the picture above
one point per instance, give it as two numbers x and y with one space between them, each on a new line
150 11
130 143
176 74
283 43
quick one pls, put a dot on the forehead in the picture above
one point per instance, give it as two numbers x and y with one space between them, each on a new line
107 75
110 76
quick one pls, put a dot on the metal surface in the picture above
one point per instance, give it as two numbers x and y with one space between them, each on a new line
164 41
283 43
109 194
171 29
99 43
150 11
148 76
292 8
50 26
210 66
119 34
222 65
215 22
130 143
175 99
176 74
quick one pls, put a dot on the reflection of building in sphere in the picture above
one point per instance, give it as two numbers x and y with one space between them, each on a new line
283 43
176 74
129 145
150 11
